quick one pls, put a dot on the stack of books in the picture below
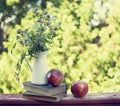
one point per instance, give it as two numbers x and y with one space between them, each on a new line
44 92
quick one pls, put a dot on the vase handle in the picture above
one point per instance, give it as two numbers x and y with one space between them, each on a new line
28 65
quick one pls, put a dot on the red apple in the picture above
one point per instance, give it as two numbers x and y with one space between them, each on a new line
79 88
55 77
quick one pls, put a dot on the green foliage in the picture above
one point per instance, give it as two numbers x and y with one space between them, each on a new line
89 31
91 45
39 36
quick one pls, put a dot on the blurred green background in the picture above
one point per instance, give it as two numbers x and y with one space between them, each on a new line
90 30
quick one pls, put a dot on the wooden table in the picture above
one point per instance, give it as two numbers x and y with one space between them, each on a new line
103 99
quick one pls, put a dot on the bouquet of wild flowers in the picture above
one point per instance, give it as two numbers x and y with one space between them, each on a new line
37 38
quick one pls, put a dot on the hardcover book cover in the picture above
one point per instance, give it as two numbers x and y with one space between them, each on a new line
36 96
47 90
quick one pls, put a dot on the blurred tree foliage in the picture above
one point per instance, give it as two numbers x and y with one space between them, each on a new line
90 42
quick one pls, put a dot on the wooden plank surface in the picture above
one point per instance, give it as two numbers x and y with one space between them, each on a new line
103 99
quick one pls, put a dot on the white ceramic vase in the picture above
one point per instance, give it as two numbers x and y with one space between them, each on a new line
40 70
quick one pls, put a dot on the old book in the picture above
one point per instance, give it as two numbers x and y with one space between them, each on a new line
36 96
45 89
